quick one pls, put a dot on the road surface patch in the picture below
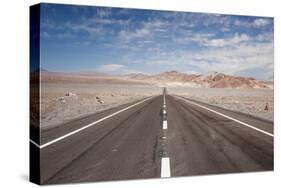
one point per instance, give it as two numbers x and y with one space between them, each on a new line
228 117
86 126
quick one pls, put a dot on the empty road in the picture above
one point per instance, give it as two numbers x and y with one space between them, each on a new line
135 141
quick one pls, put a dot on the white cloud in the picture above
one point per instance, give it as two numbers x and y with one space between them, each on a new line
190 36
109 21
234 60
84 27
257 23
248 56
264 37
208 40
238 53
162 41
104 12
116 69
260 22
45 34
242 23
126 36
65 35
110 68
148 29
212 19
223 42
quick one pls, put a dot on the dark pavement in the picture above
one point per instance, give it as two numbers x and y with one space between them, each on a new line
130 145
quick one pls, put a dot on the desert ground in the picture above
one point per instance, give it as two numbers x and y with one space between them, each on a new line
69 97
248 101
65 97
193 140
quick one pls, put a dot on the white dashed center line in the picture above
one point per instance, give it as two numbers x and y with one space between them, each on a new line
165 167
165 161
165 124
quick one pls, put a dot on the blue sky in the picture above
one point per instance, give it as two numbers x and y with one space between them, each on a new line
123 41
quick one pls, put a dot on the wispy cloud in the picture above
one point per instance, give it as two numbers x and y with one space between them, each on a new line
110 68
84 27
147 41
65 35
230 60
256 23
145 31
104 12
225 42
45 34
260 22
116 69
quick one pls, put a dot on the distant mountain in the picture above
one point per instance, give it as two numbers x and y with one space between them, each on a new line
176 76
210 80
137 76
164 79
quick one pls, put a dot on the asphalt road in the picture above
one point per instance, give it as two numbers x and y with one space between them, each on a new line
135 143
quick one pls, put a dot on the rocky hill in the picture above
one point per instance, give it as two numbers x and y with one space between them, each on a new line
164 79
210 80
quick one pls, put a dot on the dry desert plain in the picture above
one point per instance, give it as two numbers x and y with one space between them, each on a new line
67 96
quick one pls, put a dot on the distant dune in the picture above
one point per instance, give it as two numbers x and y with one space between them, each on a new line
164 79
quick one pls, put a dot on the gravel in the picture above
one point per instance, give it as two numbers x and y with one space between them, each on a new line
249 101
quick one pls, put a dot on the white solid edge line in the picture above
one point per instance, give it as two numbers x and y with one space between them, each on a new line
165 124
34 143
165 167
86 126
228 117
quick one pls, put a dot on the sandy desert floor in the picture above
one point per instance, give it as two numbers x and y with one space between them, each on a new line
62 102
249 101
